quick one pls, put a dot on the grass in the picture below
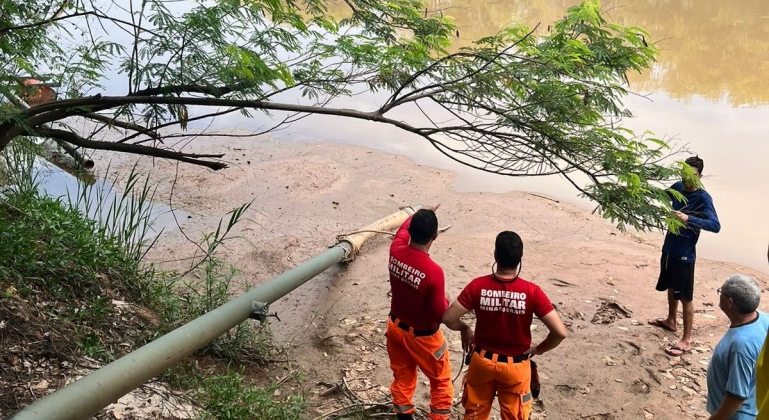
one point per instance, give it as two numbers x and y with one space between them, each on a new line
230 397
47 245
71 269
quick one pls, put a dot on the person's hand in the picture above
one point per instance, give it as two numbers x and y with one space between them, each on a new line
532 351
433 208
684 217
467 338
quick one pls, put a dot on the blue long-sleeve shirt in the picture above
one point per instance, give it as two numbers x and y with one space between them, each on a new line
702 215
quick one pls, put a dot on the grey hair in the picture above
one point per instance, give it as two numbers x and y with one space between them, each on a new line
744 291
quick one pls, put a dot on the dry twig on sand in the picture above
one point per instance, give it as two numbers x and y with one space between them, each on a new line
359 405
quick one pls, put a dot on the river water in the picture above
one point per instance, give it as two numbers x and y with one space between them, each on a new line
709 90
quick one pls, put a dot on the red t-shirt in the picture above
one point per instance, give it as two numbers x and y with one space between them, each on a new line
504 310
417 284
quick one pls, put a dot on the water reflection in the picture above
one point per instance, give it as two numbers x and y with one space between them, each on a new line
60 184
708 89
715 49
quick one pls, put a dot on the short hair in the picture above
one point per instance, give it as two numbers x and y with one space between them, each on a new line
508 249
696 162
744 291
423 227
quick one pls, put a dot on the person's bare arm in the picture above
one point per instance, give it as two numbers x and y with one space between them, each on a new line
728 407
452 320
557 334
452 316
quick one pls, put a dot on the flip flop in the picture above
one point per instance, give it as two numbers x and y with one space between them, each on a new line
658 323
670 350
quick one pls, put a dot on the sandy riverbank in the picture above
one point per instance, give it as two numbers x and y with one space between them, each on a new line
611 367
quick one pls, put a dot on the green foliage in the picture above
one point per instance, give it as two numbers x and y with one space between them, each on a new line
181 297
47 244
514 104
22 46
92 346
72 268
180 300
229 396
125 218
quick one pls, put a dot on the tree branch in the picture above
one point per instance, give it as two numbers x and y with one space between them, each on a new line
168 124
52 111
215 91
123 124
138 149
394 101
64 17
55 18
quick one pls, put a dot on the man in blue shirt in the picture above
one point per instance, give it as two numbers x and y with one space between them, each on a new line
679 253
731 375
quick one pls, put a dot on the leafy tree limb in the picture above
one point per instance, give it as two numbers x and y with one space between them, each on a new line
518 103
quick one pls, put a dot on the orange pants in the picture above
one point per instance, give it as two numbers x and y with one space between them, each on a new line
511 382
430 354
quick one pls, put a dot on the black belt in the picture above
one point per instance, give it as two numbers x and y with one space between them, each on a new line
501 357
419 333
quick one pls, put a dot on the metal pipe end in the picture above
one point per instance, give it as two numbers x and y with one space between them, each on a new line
411 209
86 162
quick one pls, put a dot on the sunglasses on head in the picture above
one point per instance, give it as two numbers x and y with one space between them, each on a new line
720 292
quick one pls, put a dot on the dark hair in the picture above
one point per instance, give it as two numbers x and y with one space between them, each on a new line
423 227
508 249
696 162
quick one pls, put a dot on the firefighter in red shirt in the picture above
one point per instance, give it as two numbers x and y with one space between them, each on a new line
504 306
414 337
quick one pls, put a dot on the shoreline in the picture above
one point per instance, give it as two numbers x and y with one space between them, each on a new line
306 194
460 184
729 246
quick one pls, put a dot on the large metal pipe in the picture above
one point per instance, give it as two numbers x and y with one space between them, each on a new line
81 159
86 396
